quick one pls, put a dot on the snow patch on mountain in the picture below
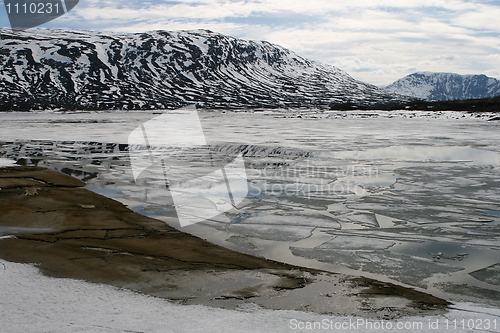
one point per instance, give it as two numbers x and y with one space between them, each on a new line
445 86
50 69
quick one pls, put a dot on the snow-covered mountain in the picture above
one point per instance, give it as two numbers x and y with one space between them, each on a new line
47 69
445 86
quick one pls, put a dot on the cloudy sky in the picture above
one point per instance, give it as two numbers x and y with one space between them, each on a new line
374 41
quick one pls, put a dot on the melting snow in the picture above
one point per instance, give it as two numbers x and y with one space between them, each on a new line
31 302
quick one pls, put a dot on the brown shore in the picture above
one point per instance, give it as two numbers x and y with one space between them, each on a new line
49 220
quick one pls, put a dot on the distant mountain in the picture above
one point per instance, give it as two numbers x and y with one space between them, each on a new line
48 69
445 86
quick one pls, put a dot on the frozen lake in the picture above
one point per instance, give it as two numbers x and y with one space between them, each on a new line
411 197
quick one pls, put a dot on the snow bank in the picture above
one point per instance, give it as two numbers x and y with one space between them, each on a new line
4 162
31 302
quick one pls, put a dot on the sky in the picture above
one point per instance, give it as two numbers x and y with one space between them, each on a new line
374 41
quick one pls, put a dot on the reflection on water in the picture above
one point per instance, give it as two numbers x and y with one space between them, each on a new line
423 153
8 231
469 258
493 212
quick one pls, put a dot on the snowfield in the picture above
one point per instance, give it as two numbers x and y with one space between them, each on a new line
4 162
32 302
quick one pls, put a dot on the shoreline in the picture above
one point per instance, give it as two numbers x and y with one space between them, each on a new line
71 232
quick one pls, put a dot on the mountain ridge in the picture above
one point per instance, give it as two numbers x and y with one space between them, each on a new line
442 86
56 69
